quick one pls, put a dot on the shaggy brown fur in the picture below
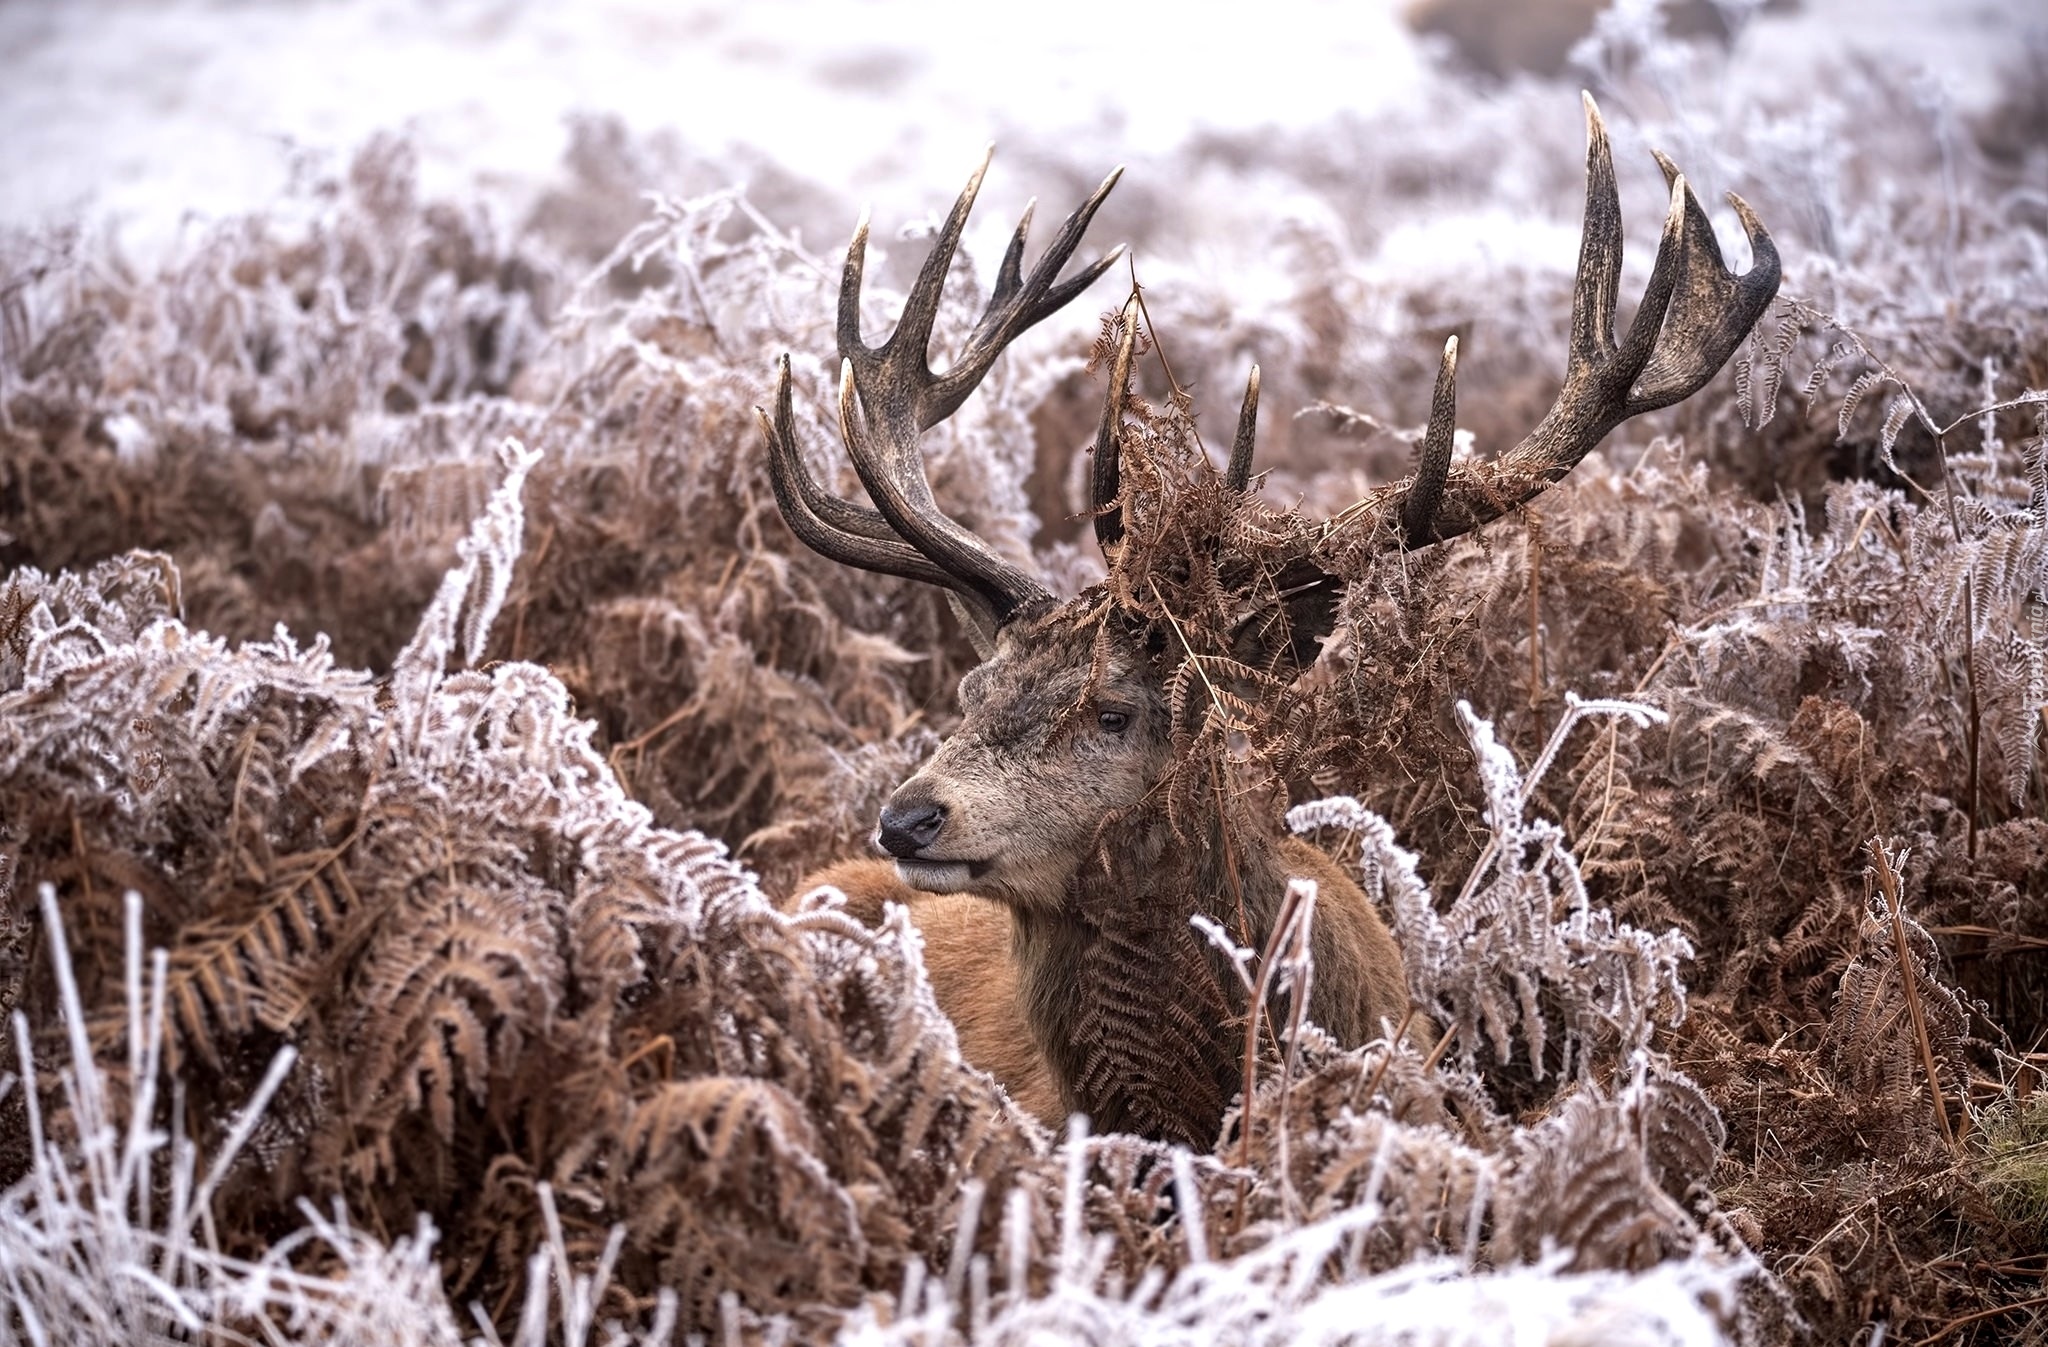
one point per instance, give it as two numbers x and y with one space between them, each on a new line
1060 942
975 947
967 953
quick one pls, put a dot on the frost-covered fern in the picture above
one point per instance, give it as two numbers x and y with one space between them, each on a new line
479 875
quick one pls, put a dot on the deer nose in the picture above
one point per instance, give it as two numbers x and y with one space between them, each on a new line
910 829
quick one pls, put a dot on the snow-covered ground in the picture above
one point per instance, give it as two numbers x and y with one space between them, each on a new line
147 113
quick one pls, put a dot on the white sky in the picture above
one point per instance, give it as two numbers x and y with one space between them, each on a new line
143 112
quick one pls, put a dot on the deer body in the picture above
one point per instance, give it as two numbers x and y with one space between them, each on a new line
974 974
1056 909
1051 851
1007 982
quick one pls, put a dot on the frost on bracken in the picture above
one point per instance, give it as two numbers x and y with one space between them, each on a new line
398 610
473 935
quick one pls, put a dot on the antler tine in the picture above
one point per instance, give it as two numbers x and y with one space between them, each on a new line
1018 302
913 332
1106 478
1238 476
1693 314
1433 465
1715 309
1108 473
897 484
888 393
1598 287
835 529
1015 305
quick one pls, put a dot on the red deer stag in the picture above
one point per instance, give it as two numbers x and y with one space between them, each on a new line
1036 850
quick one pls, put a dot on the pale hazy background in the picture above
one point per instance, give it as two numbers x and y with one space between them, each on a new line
153 115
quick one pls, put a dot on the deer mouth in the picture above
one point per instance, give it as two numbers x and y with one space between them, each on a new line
939 876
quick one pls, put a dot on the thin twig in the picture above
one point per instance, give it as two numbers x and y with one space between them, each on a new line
1436 1054
2031 398
2007 938
1181 396
1291 912
2031 1302
1888 884
1400 1036
1534 544
1973 727
1300 968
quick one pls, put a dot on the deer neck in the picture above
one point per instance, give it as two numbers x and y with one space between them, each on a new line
1140 1018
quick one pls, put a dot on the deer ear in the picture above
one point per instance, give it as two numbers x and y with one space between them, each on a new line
1285 633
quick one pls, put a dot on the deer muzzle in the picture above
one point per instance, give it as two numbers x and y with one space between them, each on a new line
909 830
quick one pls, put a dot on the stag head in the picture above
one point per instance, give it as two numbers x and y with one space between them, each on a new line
1061 728
1076 714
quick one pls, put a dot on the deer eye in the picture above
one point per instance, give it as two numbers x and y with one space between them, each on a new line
1116 722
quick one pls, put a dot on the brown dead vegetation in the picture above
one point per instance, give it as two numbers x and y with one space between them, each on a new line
499 969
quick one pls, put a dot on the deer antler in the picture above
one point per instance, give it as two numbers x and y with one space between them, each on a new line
888 396
1693 314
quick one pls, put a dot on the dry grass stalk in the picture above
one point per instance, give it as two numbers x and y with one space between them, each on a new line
1888 884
